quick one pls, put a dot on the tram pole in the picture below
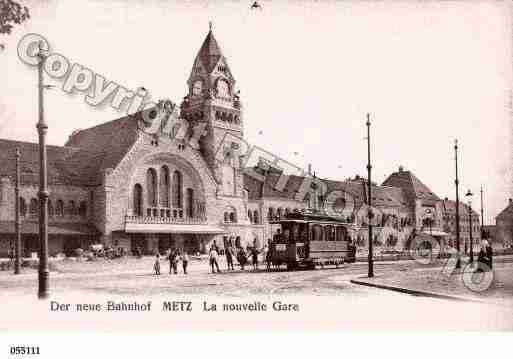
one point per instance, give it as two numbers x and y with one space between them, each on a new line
456 182
17 244
369 199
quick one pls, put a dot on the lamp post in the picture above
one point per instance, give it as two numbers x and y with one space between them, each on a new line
17 244
369 199
42 127
482 215
456 182
469 198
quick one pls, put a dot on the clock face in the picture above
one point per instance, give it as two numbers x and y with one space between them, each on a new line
223 89
197 87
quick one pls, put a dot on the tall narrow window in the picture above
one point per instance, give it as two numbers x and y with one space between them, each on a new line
138 202
151 187
250 216
177 190
164 186
256 217
33 207
226 217
23 207
59 209
82 209
270 214
50 208
190 202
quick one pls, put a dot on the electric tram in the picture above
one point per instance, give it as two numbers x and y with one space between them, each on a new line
307 239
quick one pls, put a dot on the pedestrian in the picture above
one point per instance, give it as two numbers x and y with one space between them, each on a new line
229 252
173 261
213 258
156 266
253 252
489 254
482 264
241 257
185 261
268 257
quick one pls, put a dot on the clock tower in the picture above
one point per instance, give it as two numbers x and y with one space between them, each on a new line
213 102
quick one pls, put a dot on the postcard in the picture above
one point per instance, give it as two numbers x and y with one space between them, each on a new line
171 166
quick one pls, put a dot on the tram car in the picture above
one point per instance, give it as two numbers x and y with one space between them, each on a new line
308 239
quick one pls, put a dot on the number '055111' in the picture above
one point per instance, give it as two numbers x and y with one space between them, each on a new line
24 350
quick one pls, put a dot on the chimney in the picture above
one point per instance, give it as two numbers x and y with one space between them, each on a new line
401 169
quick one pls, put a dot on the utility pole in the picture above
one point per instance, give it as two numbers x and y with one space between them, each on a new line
369 199
42 127
482 215
17 248
456 182
471 227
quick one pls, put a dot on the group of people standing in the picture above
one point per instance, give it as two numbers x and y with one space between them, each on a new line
240 254
173 256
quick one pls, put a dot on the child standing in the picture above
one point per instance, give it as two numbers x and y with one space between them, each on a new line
156 266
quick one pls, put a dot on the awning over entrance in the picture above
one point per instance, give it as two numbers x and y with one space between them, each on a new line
31 227
172 228
436 233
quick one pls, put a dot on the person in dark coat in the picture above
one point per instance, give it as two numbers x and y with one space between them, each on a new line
253 252
230 253
241 257
173 261
484 258
185 261
489 254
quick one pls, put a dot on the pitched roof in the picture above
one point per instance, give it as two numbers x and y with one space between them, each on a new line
81 162
506 212
381 196
412 187
210 52
449 206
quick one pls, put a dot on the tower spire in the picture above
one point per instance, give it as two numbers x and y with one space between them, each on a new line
210 26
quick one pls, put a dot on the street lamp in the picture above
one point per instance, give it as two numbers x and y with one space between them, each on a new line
17 216
369 199
456 182
42 127
469 198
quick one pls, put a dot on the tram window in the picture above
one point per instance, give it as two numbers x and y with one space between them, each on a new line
295 232
329 233
317 233
286 236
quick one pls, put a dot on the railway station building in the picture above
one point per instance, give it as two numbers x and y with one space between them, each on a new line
120 185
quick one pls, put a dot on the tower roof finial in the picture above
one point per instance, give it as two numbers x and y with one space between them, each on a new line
210 26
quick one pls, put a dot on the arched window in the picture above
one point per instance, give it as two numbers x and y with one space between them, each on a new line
176 191
233 218
50 208
226 217
59 208
151 187
255 217
270 214
164 187
138 201
33 207
250 216
82 209
72 209
190 202
23 207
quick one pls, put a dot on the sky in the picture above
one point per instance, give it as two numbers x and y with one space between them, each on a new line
308 71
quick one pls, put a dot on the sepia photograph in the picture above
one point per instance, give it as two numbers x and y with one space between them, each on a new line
170 165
